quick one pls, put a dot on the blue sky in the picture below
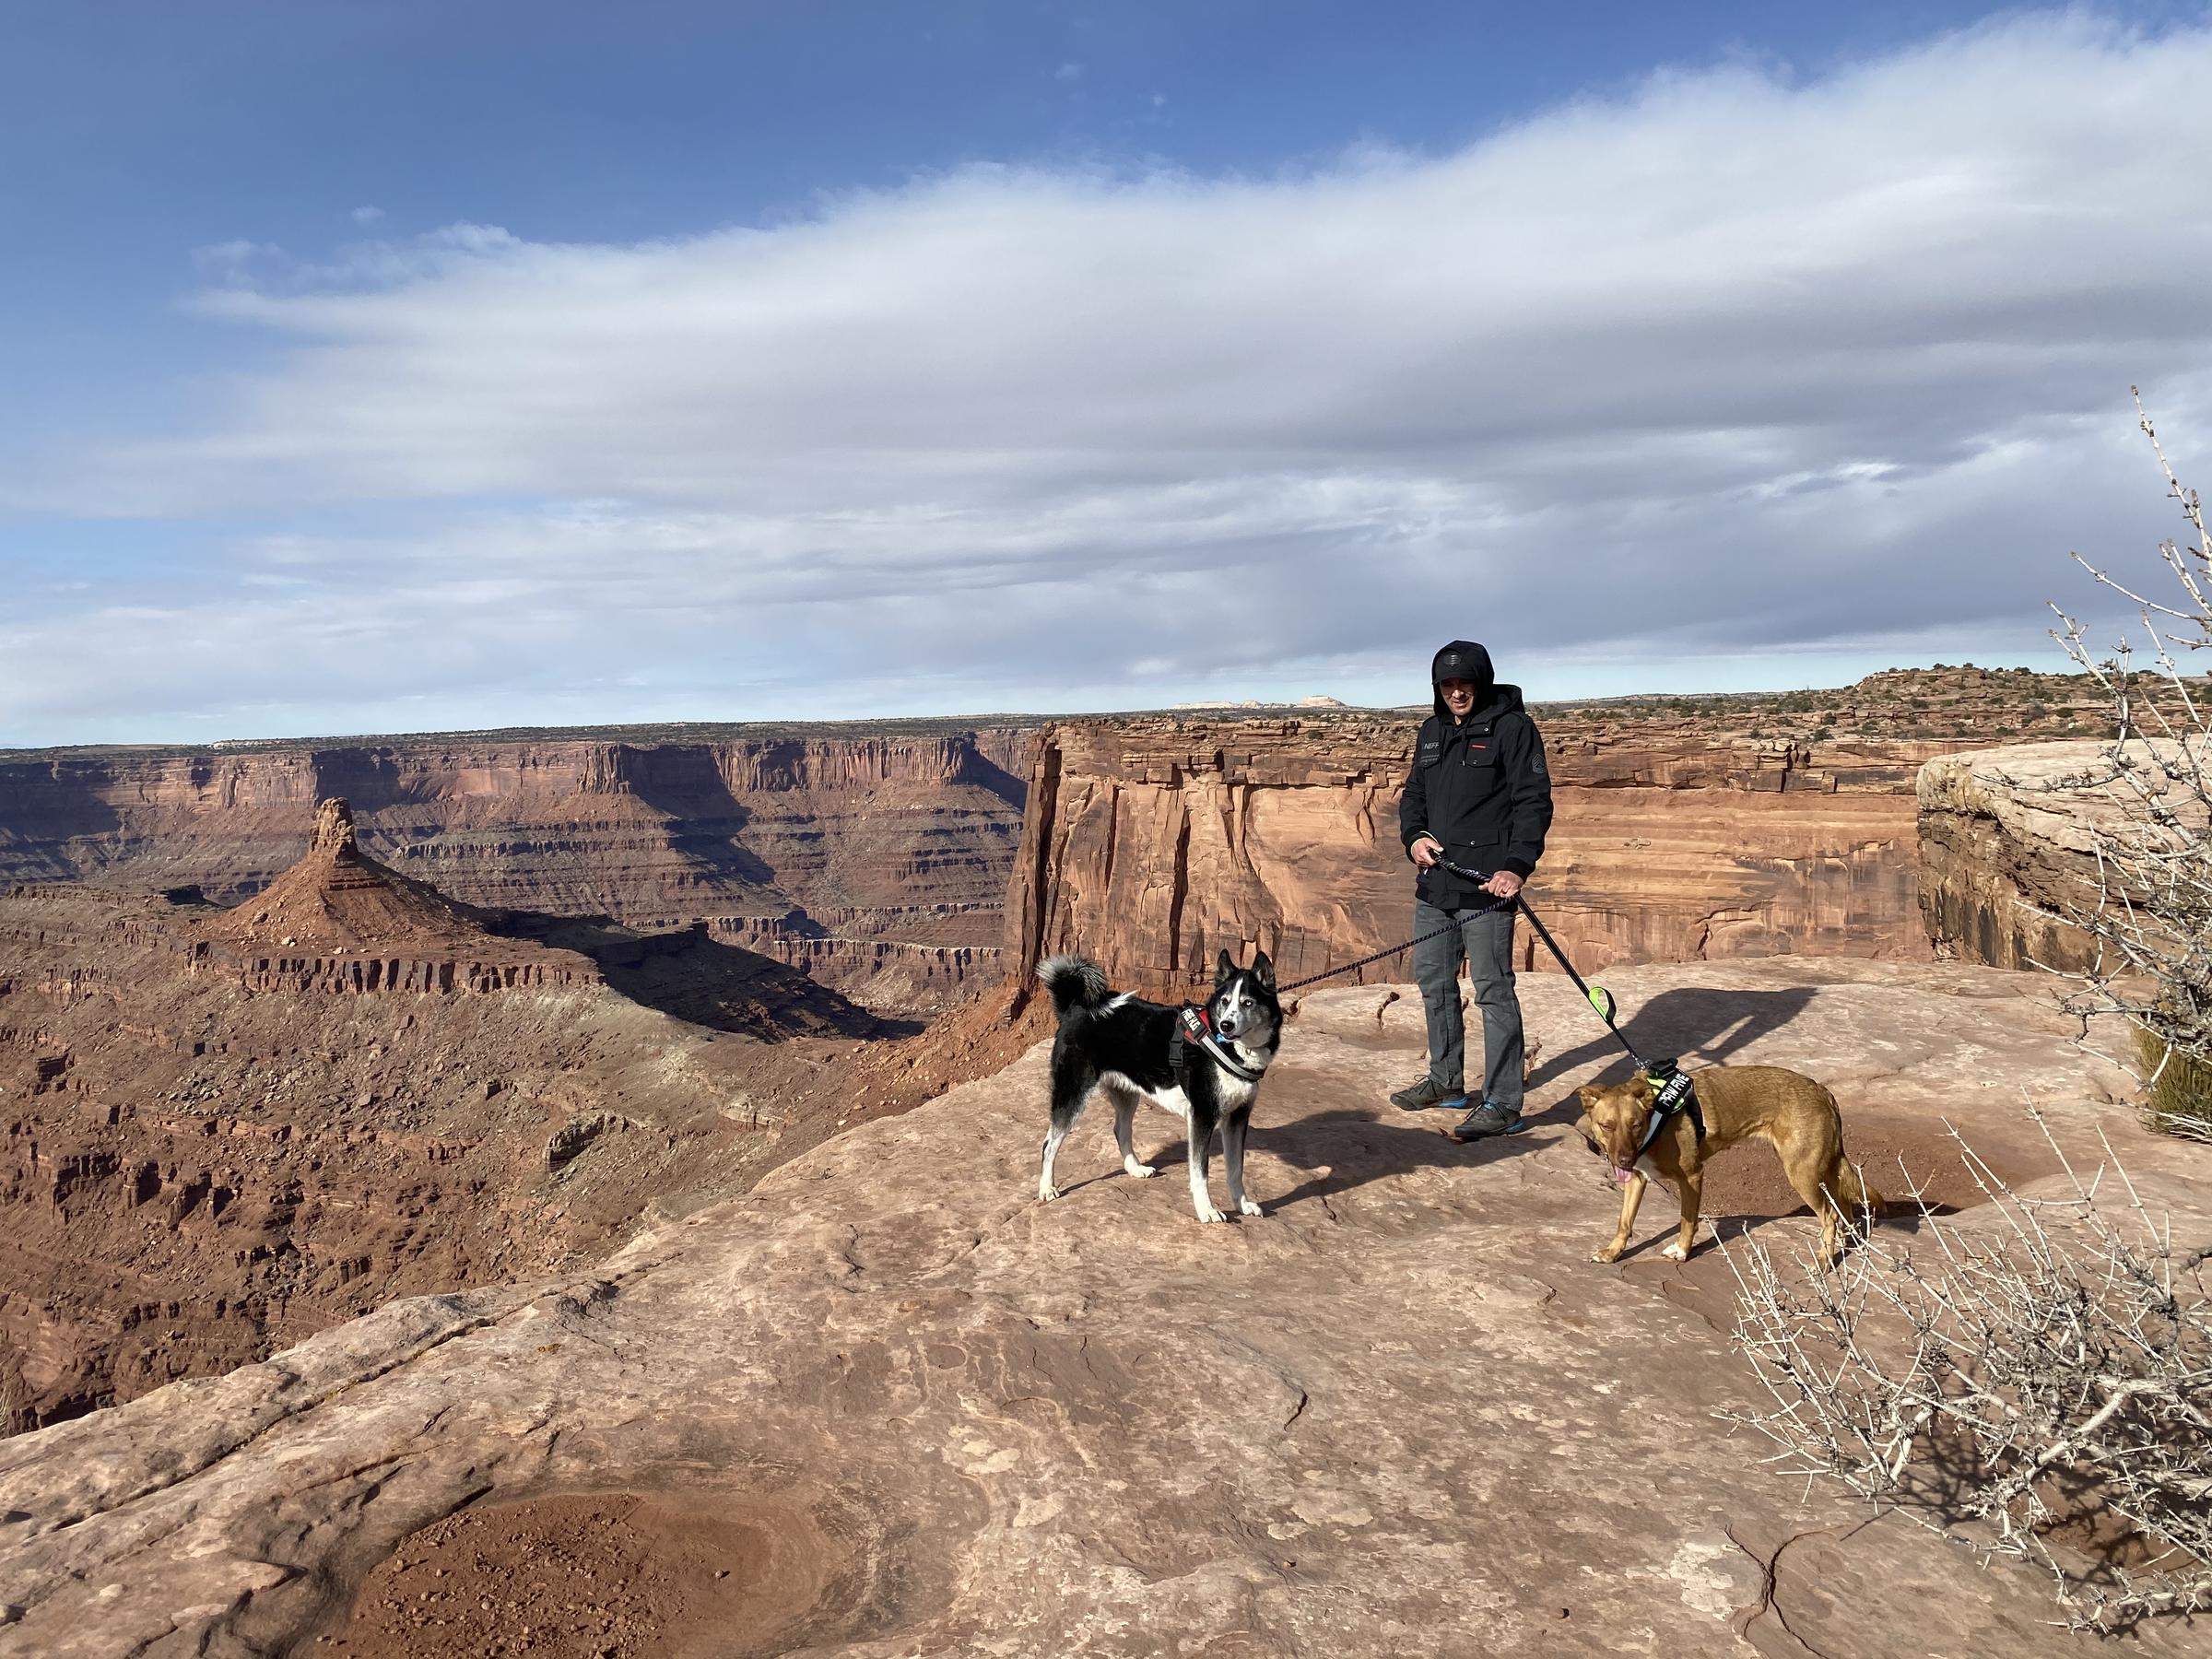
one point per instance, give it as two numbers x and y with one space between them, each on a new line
408 366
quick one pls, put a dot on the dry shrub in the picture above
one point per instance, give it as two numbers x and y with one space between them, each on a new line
2034 1383
2147 912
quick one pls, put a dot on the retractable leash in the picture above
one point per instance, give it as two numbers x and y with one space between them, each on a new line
1676 1092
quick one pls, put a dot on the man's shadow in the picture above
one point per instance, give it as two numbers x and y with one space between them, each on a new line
1341 1148
1703 1022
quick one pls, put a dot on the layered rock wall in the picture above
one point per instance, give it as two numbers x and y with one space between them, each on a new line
876 863
1152 842
2007 843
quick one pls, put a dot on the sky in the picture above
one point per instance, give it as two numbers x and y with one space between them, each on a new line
416 365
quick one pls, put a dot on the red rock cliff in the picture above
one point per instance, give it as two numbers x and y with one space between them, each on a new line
1152 841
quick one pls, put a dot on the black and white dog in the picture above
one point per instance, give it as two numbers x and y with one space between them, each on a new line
1203 1064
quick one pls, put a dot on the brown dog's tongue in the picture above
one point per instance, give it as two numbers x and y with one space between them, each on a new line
1620 1176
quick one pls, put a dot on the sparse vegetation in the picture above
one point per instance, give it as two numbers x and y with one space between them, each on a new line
2180 1088
2150 918
2041 1388
2007 1386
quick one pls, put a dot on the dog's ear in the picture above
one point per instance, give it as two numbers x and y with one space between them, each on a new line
1587 1094
1263 970
1223 967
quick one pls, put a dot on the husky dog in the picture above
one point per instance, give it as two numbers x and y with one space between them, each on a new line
1202 1064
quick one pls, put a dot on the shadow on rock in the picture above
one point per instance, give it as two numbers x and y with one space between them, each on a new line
1342 1148
695 977
1703 1021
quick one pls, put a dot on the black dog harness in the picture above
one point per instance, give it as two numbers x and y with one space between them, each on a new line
1677 1094
1195 1028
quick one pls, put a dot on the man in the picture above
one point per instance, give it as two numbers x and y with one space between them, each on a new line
1478 795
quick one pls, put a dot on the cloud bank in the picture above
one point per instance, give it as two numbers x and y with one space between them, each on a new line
1729 369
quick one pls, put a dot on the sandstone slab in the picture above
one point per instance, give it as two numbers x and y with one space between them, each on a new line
1401 1414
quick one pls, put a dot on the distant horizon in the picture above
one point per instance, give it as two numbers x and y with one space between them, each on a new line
957 720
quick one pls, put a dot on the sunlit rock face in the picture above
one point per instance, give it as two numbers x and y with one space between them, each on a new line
1150 843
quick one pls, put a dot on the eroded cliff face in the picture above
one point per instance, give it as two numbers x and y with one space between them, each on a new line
1151 842
876 863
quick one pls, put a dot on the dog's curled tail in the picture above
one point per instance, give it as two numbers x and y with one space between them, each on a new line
1074 982
1851 1191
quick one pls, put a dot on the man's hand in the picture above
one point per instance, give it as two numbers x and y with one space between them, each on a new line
1427 850
1505 885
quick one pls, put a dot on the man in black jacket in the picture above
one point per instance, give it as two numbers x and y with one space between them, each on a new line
1478 795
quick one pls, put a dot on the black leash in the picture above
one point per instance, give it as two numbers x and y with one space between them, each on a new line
1597 996
1434 933
1675 1093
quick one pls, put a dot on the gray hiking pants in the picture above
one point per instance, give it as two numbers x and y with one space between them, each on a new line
1485 940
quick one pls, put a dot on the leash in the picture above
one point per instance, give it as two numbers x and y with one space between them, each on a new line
1597 996
1676 1092
1434 933
1676 1089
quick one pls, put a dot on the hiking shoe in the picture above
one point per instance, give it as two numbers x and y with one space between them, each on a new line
1487 1120
1421 1094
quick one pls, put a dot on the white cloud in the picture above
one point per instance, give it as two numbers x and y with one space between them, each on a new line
1731 368
1070 71
367 215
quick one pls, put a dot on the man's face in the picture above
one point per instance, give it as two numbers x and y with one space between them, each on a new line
1459 696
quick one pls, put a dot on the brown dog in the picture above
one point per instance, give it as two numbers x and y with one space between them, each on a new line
1792 1112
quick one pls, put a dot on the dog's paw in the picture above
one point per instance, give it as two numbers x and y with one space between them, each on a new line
1675 1252
1607 1255
1140 1172
1211 1214
1045 1195
1250 1207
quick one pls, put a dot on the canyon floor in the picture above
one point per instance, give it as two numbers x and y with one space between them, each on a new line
885 1404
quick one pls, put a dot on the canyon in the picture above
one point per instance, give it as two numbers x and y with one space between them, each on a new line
522 1245
874 858
887 860
226 1130
268 1058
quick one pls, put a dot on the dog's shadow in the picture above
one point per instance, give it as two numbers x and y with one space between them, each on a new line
1342 1148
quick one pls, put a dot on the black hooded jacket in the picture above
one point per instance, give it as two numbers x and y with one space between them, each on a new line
1478 785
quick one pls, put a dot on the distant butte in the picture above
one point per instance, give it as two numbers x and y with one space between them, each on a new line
338 897
339 920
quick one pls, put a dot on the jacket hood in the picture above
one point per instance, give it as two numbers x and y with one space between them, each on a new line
1462 659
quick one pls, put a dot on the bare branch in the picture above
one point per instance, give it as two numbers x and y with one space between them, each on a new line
2006 1383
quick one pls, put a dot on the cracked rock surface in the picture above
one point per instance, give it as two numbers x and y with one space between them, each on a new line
1400 1414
